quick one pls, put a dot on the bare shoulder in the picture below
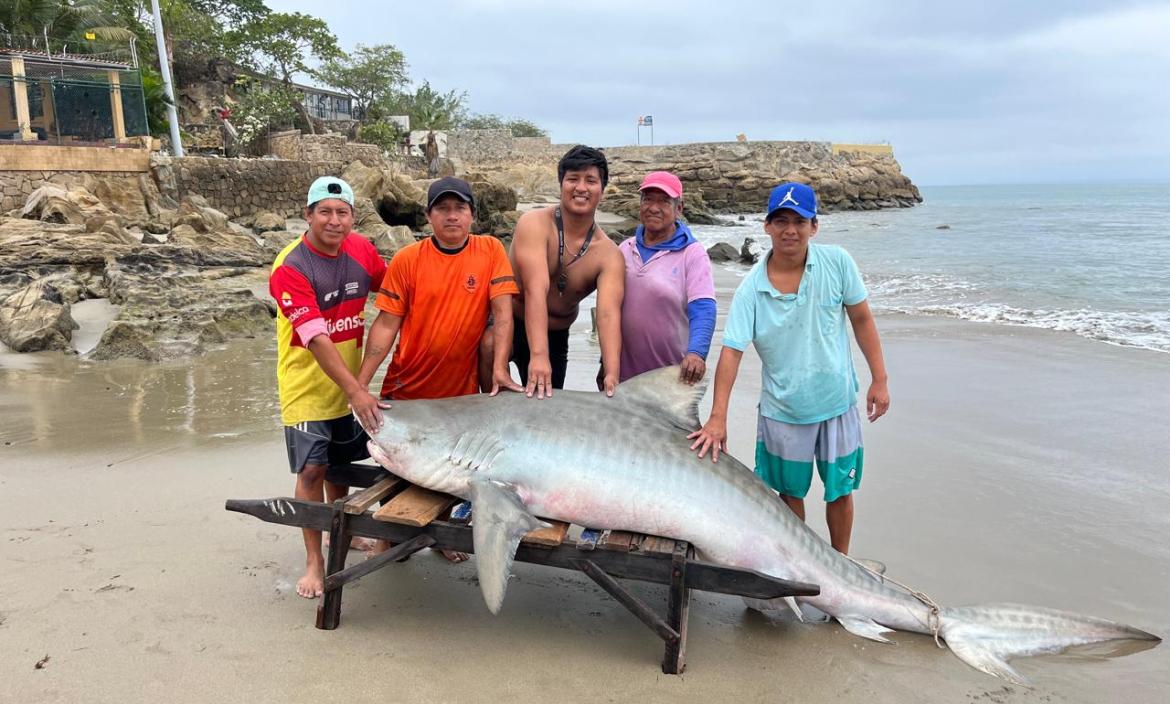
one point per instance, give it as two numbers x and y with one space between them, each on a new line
611 254
533 224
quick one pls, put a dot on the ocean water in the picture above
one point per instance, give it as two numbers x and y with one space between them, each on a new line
1089 260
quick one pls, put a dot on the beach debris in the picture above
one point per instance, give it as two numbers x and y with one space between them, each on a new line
42 662
633 470
943 227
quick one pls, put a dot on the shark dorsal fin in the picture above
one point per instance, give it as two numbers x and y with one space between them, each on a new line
660 393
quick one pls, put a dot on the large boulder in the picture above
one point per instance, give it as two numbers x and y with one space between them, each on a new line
386 196
36 318
267 221
57 204
722 252
388 240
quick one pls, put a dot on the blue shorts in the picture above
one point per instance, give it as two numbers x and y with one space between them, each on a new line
785 453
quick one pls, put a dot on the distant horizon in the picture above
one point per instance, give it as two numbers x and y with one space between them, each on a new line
964 94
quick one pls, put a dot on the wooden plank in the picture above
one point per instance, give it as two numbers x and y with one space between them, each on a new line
362 500
654 543
647 567
400 551
329 609
415 507
678 609
617 540
551 537
644 613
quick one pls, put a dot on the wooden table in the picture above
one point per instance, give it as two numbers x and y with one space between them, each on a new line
414 518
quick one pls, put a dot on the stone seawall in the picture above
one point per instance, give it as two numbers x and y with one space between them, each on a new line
727 176
240 187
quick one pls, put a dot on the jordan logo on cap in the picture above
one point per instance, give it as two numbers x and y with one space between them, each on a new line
788 199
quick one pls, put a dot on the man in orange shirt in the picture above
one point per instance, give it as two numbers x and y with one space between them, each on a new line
435 298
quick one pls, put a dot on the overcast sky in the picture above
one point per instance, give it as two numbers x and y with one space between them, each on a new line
967 92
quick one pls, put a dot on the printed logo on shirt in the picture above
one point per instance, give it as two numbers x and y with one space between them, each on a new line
354 322
471 283
286 299
351 288
331 295
296 314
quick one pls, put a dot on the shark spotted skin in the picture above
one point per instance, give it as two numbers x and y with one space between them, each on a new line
624 463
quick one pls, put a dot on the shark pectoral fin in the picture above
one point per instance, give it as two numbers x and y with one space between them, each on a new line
865 628
501 519
766 606
984 659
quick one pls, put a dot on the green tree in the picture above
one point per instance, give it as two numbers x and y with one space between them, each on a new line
66 21
156 100
519 127
428 108
484 121
370 76
526 128
386 135
284 43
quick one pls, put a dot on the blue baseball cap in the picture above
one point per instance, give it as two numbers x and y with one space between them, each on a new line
797 197
329 187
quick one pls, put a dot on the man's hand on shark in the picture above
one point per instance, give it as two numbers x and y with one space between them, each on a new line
368 410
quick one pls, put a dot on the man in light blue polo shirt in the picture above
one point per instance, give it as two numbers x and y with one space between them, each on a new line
793 307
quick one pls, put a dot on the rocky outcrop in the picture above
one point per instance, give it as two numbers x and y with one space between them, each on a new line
724 176
177 293
722 252
169 309
36 318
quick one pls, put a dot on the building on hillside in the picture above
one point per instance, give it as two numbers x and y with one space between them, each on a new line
50 95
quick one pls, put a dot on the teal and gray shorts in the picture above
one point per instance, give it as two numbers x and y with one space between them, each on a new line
785 453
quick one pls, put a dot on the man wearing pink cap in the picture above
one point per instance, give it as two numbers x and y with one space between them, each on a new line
668 313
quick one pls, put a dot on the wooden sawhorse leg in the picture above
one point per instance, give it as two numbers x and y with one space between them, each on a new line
329 611
678 610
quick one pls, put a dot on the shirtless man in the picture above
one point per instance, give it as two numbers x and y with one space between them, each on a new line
560 256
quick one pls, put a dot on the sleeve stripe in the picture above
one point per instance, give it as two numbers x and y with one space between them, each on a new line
502 280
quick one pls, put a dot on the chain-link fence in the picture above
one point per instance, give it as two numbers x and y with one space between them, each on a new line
70 101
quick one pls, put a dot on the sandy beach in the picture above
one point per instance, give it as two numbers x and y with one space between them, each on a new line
1015 465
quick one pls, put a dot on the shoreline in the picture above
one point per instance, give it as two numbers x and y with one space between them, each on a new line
990 480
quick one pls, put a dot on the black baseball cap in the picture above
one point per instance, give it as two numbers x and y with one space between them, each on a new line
449 184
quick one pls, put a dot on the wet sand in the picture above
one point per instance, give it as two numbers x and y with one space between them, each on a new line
1015 465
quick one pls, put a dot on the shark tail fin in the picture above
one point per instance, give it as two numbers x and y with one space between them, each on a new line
987 636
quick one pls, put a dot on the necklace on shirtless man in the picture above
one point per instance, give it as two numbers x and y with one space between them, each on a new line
562 274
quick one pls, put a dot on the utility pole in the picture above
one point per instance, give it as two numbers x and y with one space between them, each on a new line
160 41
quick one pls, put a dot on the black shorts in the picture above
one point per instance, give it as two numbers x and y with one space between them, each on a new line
325 442
558 352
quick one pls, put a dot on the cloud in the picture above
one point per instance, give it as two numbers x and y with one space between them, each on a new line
965 92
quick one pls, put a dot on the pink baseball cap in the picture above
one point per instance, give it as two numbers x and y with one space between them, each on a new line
664 181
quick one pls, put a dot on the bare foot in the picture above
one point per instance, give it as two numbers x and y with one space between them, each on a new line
363 544
453 556
312 585
355 543
379 547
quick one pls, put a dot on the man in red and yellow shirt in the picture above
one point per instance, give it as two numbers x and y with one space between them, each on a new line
320 283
